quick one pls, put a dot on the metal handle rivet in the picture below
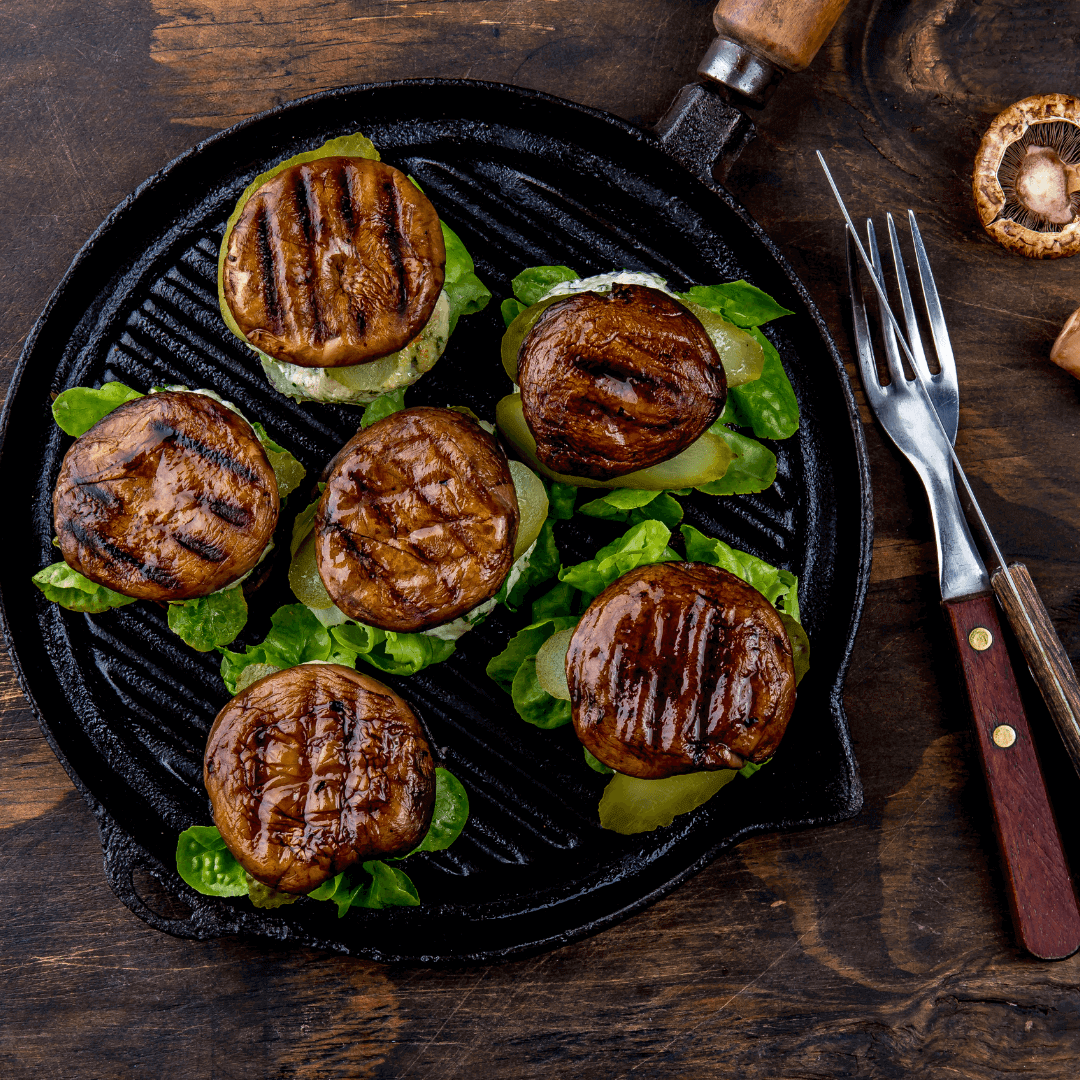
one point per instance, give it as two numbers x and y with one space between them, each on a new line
1004 736
980 639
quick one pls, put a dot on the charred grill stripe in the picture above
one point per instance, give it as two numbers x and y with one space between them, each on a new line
345 201
265 252
393 238
216 457
370 564
204 549
104 547
239 516
98 494
304 198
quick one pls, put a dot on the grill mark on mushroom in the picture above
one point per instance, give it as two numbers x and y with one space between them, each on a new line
265 255
229 512
207 453
101 543
304 199
204 549
391 225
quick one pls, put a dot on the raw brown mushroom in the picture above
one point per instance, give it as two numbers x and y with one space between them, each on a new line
418 521
315 768
680 667
1027 177
168 497
1065 352
613 383
334 262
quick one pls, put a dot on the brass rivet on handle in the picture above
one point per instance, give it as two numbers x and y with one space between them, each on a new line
1004 736
980 639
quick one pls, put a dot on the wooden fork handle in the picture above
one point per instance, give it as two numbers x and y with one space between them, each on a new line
1037 880
1049 663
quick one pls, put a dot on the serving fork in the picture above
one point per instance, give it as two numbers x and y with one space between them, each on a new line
919 411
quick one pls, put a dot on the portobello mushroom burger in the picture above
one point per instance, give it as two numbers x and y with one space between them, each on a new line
422 526
168 497
680 667
622 382
336 270
316 773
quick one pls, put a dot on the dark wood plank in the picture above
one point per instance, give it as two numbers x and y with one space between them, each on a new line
880 947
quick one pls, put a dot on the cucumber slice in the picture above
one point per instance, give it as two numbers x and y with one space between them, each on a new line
517 331
551 664
742 357
304 577
704 460
532 506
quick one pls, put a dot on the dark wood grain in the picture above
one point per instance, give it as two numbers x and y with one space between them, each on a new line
1037 878
877 948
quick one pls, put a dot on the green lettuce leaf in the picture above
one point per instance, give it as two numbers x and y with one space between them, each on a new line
77 410
543 564
739 302
391 402
466 293
531 284
207 622
510 309
450 813
295 637
563 599
596 765
71 590
753 469
397 654
561 499
779 587
768 403
646 542
524 645
633 505
288 471
532 702
207 865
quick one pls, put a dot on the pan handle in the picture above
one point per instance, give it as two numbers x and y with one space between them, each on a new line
759 40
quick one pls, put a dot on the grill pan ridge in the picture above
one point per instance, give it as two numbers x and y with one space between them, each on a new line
524 179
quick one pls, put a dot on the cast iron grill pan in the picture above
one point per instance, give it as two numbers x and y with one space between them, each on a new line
524 179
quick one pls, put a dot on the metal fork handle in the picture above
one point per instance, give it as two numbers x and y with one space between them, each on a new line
1037 880
960 568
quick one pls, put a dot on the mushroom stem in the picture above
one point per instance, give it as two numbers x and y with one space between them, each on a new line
1065 352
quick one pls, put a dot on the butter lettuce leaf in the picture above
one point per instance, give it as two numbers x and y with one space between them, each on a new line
77 410
71 590
465 291
207 622
646 542
532 284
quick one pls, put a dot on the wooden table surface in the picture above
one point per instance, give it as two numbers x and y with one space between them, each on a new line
880 947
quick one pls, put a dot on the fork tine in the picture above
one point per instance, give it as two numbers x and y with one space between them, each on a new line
945 390
913 335
864 348
892 350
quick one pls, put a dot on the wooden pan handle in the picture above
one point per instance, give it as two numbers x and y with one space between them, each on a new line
787 33
1037 880
1050 665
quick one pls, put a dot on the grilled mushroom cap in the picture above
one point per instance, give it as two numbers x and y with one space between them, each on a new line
418 520
168 497
615 382
315 768
334 262
1027 177
680 667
